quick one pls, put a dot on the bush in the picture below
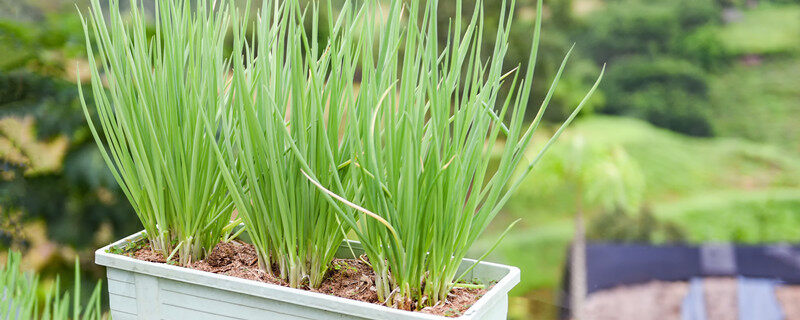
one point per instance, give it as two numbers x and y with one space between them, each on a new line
644 227
51 168
632 27
45 46
635 27
704 47
696 13
669 93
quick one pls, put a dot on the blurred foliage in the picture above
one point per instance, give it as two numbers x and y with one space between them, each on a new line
751 3
664 56
770 29
667 92
51 169
47 46
58 201
642 227
43 122
658 53
598 177
759 103
746 217
637 27
704 47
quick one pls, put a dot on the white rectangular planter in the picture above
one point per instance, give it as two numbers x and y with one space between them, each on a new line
146 290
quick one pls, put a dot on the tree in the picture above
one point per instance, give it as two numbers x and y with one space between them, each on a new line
605 178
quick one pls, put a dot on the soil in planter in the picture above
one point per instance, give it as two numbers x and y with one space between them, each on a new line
347 278
662 300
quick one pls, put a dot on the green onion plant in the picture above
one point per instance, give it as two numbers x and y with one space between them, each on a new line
19 296
152 94
17 290
289 93
425 125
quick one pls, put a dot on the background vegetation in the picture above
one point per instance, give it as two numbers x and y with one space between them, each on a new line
700 95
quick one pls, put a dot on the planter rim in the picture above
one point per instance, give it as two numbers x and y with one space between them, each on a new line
292 295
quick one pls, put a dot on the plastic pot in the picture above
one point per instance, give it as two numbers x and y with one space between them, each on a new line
146 290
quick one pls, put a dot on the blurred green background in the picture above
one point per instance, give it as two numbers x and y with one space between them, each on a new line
693 136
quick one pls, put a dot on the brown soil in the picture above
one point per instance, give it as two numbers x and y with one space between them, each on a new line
720 298
662 300
654 300
789 298
458 301
347 278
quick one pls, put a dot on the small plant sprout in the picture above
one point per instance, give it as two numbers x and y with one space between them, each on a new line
152 95
19 298
426 121
289 93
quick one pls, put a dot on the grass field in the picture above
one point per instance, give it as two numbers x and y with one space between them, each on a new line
759 102
768 29
745 216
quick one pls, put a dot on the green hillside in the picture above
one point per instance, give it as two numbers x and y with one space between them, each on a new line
716 189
